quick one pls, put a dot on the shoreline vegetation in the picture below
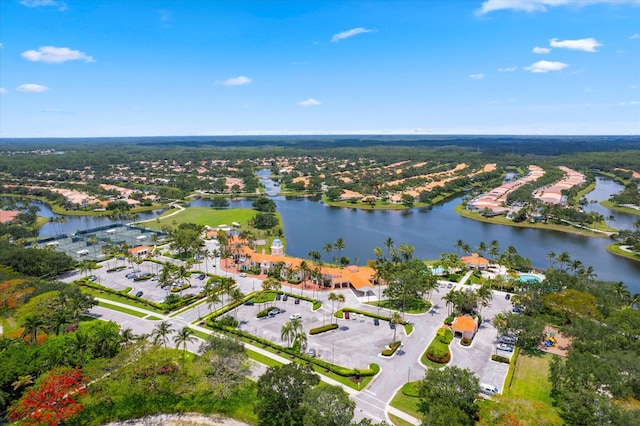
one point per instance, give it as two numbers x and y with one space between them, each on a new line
618 251
501 220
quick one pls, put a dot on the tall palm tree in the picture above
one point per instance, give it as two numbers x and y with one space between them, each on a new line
481 247
459 245
166 277
494 249
127 337
236 296
340 245
552 258
395 319
485 295
634 300
333 297
301 339
59 320
106 339
328 248
563 258
162 332
287 332
213 296
390 245
183 337
406 251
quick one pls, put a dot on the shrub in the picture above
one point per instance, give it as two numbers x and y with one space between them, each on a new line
229 321
263 313
445 335
411 389
322 329
179 289
449 320
393 347
454 277
117 268
143 278
465 341
499 358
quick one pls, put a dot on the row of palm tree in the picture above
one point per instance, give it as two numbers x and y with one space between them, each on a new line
573 265
293 332
163 330
467 302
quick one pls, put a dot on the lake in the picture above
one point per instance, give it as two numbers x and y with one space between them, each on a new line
309 225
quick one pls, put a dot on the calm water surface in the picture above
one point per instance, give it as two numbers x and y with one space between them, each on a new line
310 225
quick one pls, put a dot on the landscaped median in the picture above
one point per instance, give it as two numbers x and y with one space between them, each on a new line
438 354
354 378
408 328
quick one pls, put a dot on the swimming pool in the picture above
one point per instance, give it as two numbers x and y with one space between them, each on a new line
437 271
528 278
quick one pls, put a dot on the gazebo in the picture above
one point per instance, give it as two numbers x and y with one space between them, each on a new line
475 261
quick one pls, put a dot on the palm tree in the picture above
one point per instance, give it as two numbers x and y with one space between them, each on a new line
106 339
301 339
552 258
332 298
213 296
563 258
166 277
389 244
340 298
395 319
236 296
287 332
459 245
634 300
406 251
481 247
485 295
328 248
127 337
494 249
162 332
340 245
575 265
32 326
59 320
183 337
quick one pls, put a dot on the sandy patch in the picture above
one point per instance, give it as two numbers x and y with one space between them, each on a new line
189 419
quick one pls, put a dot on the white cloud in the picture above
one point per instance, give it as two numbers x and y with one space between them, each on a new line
546 66
507 69
635 36
541 50
584 44
237 81
44 3
55 55
630 103
476 76
531 6
3 90
350 33
32 88
309 102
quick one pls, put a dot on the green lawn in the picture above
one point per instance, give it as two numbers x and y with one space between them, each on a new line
613 206
412 306
122 309
397 421
615 249
531 379
120 299
408 404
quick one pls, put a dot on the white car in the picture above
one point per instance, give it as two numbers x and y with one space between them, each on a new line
505 347
295 316
243 275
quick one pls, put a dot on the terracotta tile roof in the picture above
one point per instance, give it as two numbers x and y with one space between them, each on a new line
475 259
464 323
139 249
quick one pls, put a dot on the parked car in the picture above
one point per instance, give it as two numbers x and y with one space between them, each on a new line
488 389
276 311
278 296
376 321
516 310
295 316
346 315
285 298
92 278
139 294
508 296
505 347
201 276
243 275
248 303
449 285
131 275
392 325
297 302
312 352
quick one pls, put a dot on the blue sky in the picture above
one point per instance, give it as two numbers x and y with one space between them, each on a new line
81 68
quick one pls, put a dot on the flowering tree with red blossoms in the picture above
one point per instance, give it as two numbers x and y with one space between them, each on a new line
53 400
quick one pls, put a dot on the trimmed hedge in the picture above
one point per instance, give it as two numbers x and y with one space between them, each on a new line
411 389
449 320
336 369
393 347
143 278
499 358
340 314
181 288
117 268
263 313
322 329
438 350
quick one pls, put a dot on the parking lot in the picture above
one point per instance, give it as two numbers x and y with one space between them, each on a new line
149 288
356 343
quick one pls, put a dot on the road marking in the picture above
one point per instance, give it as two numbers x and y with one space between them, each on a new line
369 392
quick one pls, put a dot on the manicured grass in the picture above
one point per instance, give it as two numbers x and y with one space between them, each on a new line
408 404
531 379
397 421
120 299
204 216
412 306
502 220
121 309
615 249
613 206
153 318
262 359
